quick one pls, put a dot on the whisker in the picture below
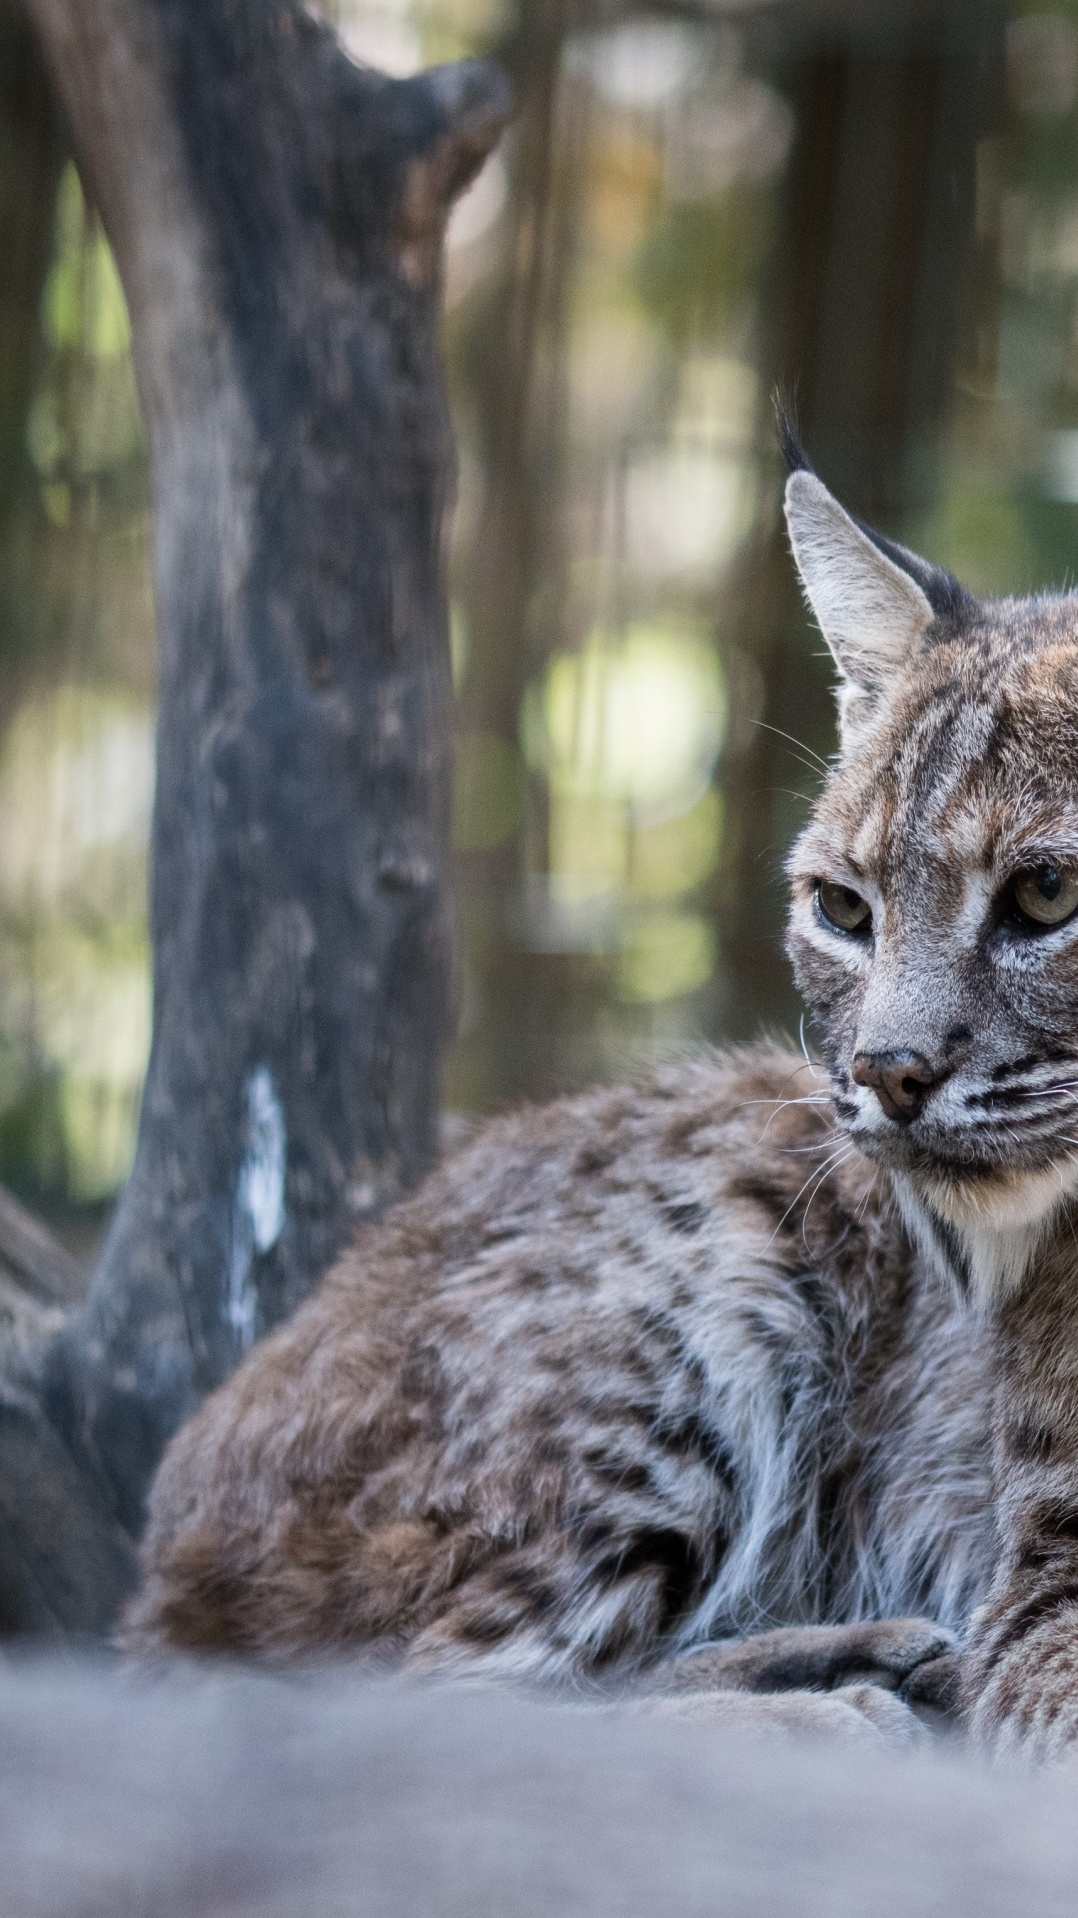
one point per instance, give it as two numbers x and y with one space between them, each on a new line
821 1104
831 1164
822 1100
818 765
821 1181
863 1206
1068 1086
806 1099
813 1068
792 1151
779 1100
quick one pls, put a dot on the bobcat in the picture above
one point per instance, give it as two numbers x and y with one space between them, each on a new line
761 1343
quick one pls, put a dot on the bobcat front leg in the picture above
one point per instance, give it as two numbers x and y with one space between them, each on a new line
821 1658
858 1714
1020 1676
836 1681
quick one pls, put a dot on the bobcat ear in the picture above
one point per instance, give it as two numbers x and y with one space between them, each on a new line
870 610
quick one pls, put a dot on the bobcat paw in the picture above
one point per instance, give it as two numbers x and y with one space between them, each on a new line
935 1687
881 1653
855 1714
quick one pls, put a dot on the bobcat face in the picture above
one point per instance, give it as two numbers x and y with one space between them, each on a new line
934 920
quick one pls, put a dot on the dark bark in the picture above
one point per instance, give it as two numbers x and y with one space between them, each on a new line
31 155
32 152
31 1259
277 215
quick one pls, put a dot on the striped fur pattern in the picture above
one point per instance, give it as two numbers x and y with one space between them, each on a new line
757 1343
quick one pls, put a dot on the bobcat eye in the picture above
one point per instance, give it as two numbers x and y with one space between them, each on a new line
843 908
1044 896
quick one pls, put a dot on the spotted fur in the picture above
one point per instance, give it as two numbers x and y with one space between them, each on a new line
613 1385
743 1346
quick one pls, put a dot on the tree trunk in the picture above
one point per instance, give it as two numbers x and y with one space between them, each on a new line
861 327
277 216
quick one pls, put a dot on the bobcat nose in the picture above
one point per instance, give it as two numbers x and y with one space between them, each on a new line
901 1081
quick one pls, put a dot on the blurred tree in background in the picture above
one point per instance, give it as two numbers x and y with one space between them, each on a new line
876 208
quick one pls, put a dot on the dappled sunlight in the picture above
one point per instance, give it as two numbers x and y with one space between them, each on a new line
665 955
76 793
76 785
626 736
644 63
488 791
638 720
686 513
678 855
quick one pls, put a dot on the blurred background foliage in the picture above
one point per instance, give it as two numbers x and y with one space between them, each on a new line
873 207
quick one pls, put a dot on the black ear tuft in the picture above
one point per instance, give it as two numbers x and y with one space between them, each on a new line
945 594
794 454
948 599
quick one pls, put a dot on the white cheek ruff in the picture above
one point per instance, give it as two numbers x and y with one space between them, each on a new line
983 1237
1024 955
976 905
839 948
